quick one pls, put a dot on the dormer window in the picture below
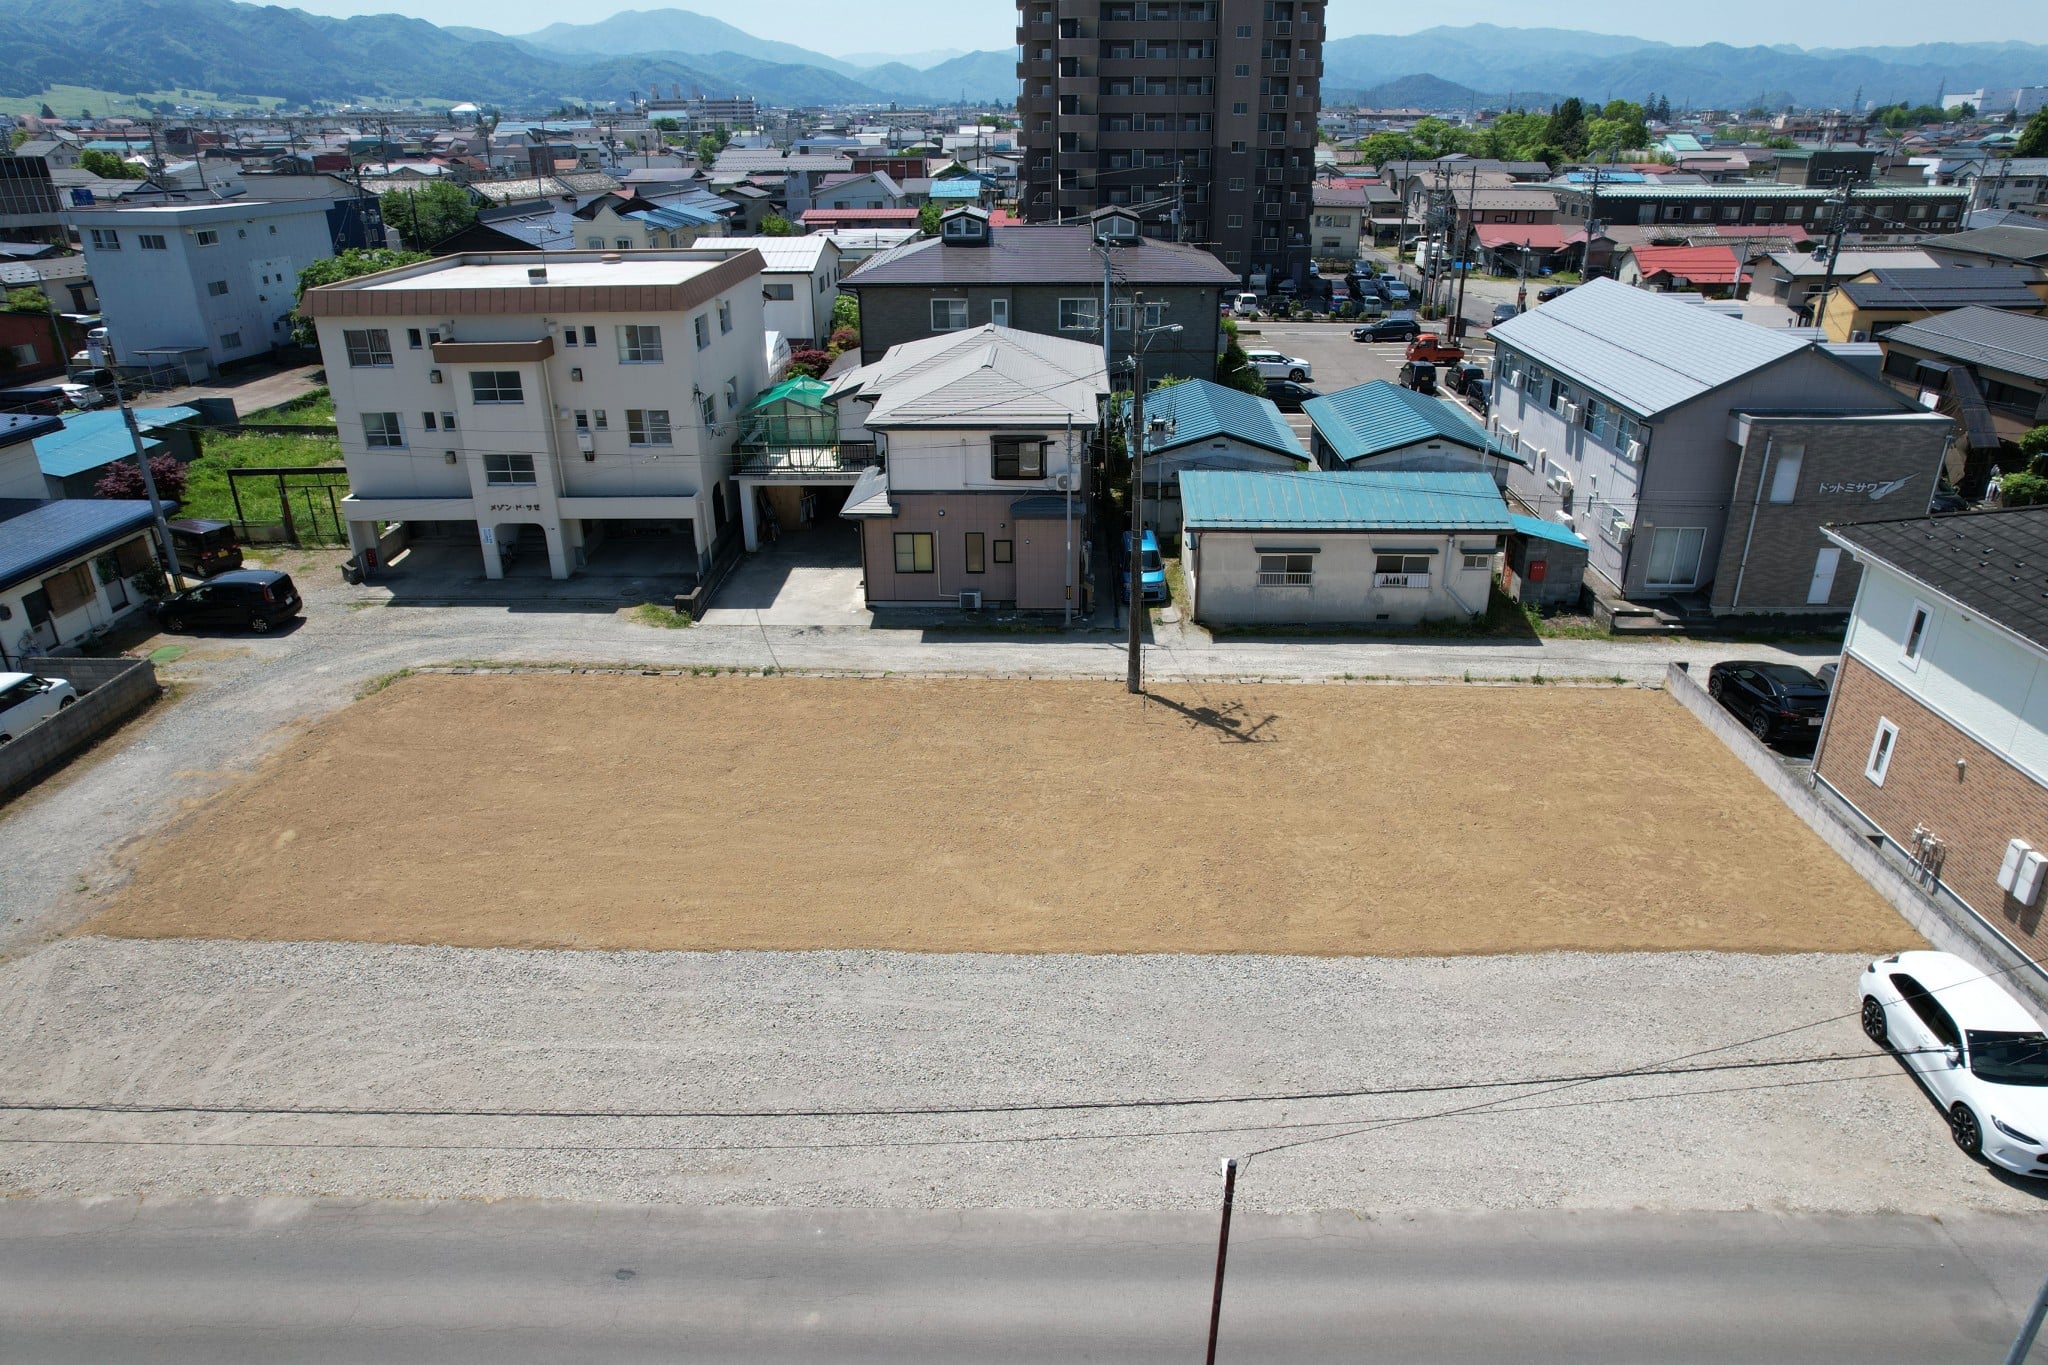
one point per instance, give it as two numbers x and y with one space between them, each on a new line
1115 227
965 226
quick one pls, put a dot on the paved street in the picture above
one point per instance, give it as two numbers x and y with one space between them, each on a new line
117 1281
261 385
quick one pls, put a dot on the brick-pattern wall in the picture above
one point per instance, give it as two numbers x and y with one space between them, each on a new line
1974 811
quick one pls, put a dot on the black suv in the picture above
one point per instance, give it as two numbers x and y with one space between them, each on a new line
1776 701
256 598
1388 329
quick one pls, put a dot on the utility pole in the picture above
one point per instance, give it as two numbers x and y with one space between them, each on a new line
1223 1254
1134 558
156 505
1463 265
1842 199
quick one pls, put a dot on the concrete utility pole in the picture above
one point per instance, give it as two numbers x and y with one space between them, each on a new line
1463 264
1223 1254
1134 558
156 505
1837 227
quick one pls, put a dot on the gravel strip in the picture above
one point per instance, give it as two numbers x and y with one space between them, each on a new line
308 1024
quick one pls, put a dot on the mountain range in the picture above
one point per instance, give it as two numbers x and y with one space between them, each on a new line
242 49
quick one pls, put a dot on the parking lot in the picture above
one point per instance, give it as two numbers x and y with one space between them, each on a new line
1339 361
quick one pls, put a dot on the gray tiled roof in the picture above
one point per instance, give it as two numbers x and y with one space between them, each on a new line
986 377
2016 343
1994 563
1992 286
1645 351
1040 255
2006 242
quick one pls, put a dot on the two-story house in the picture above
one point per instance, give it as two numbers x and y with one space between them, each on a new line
589 394
1937 730
983 437
1700 455
799 283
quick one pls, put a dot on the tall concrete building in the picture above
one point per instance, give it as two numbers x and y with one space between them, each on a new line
1202 111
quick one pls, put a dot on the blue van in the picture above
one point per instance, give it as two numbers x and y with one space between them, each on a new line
1151 572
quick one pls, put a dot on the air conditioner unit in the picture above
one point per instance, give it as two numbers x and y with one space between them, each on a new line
1559 482
1571 414
1064 480
1634 453
433 376
2027 884
970 600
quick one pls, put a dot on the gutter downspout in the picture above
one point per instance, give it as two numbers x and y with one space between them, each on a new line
1763 471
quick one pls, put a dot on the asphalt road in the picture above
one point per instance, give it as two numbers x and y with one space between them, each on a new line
119 1281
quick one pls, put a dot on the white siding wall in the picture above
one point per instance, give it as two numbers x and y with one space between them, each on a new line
937 460
1341 587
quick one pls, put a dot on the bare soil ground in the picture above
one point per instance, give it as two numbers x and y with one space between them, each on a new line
612 812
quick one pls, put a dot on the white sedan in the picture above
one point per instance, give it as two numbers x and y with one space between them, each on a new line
1982 1057
1273 365
26 700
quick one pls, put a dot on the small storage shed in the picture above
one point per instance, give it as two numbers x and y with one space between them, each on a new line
1546 562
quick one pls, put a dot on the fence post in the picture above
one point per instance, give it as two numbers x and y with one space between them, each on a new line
284 507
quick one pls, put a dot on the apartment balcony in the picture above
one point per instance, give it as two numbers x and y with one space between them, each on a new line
797 463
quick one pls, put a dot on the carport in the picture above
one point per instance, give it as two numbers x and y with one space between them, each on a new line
794 470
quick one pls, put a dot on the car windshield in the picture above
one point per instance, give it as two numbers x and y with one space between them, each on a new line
2009 1058
1151 561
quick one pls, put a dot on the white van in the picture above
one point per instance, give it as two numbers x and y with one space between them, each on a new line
1246 306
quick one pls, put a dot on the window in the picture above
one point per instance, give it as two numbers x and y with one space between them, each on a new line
1241 70
383 431
600 419
368 348
1004 553
1916 634
412 337
1079 315
595 243
582 420
1881 746
1400 571
707 406
1018 457
206 237
496 386
105 239
914 552
724 316
1675 556
778 293
568 335
648 427
504 469
427 421
1785 478
216 288
701 325
949 315
638 345
999 312
1240 107
977 557
152 241
590 336
447 421
1286 570
623 243
1475 562
1120 316
230 341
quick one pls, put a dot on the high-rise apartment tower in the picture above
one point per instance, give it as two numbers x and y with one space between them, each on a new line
1200 113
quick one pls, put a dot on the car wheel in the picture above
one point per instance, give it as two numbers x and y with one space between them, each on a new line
259 624
1760 726
1964 1128
175 624
5 739
1298 376
1715 687
65 703
1873 1022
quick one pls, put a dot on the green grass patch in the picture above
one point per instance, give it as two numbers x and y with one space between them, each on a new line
314 409
167 654
206 479
382 681
73 100
658 616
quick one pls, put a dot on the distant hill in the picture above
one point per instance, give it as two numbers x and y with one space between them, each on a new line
670 31
981 77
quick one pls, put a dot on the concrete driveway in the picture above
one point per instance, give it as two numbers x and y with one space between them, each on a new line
807 578
251 387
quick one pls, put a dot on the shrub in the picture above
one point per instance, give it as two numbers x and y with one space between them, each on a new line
2023 490
124 480
844 339
809 362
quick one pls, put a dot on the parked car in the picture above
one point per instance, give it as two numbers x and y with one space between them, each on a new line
1151 569
1553 291
84 397
1826 674
27 700
1946 500
1504 312
1981 1056
1287 395
1246 305
1392 328
1435 349
1466 376
1274 365
255 598
1776 701
1397 292
205 547
1418 375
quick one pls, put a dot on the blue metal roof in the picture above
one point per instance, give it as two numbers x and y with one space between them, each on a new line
670 216
92 439
1547 530
1378 416
1347 500
16 427
956 189
1201 411
37 536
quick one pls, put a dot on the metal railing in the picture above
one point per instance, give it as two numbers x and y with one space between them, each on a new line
839 457
1285 580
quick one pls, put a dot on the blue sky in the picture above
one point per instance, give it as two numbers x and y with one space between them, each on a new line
835 26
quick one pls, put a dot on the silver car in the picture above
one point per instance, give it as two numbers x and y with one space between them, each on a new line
1274 365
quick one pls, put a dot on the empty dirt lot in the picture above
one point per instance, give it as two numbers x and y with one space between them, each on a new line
582 811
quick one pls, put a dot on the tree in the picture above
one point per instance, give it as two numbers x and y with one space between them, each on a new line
1381 148
2034 445
124 480
16 138
349 264
107 166
668 125
809 363
775 225
1234 370
928 218
2022 490
1567 128
2034 137
846 312
28 300
429 213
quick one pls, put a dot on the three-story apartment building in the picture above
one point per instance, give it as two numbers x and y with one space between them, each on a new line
590 394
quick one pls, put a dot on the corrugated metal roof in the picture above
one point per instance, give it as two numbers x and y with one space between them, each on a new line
1377 416
37 536
92 439
955 189
1647 352
1201 411
987 377
1040 254
782 254
1547 530
2016 343
674 216
1253 500
2006 242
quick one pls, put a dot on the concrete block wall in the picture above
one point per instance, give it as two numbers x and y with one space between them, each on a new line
110 691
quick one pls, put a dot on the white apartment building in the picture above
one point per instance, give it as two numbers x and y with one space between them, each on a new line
175 280
800 282
593 393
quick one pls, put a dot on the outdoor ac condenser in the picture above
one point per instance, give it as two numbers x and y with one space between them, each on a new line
970 600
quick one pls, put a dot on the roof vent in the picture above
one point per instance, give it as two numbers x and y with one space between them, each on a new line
611 258
536 274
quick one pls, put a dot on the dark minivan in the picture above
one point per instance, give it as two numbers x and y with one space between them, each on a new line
255 598
205 547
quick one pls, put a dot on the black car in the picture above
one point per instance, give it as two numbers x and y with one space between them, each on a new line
1418 375
255 598
1388 329
1466 377
1946 500
1776 701
1555 291
1288 396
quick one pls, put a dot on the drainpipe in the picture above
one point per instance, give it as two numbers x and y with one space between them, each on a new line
1763 472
